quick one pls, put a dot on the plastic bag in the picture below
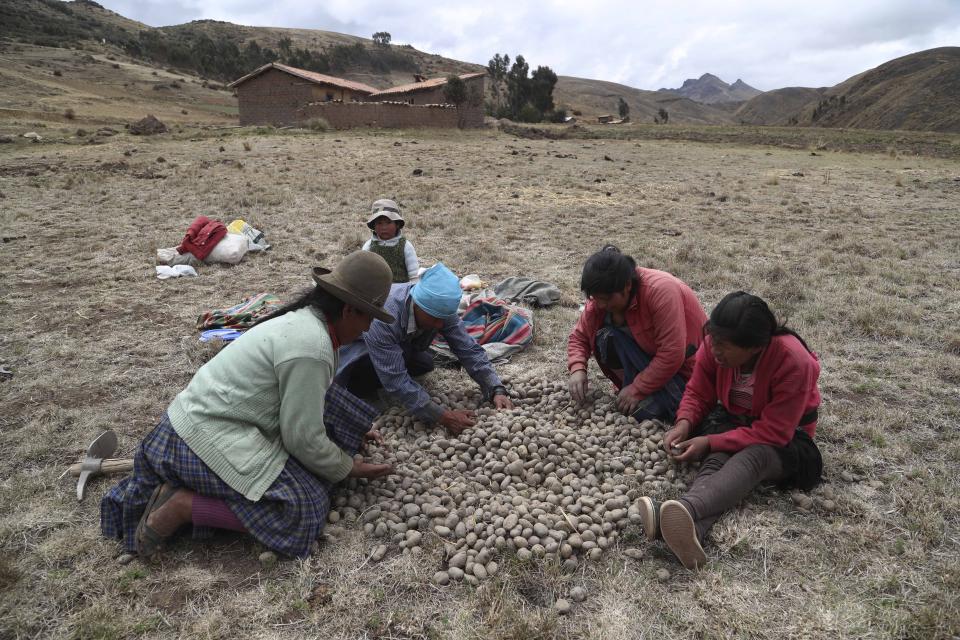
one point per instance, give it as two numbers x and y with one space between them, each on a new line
164 272
166 256
471 282
230 250
255 239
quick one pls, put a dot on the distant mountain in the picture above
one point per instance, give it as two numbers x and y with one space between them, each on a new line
709 89
919 91
596 97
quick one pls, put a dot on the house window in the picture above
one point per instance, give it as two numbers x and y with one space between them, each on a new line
329 96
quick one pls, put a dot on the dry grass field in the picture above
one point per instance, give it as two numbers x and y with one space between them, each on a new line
861 252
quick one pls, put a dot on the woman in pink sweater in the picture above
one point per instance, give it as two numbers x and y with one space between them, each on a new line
643 326
749 412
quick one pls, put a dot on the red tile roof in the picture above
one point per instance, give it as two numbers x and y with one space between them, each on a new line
426 84
310 76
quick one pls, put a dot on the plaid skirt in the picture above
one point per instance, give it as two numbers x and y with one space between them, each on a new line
287 518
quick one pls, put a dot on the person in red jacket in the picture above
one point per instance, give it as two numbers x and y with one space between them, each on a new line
749 411
643 326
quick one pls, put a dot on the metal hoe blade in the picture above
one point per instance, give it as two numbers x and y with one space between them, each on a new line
102 447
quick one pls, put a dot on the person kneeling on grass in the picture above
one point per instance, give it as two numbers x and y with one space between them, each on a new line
389 354
260 434
764 377
643 326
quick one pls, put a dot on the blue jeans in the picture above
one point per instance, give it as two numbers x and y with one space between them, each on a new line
617 349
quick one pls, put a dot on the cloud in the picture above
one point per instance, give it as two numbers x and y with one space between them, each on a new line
644 44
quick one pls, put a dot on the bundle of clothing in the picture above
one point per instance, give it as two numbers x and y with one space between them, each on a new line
229 323
501 328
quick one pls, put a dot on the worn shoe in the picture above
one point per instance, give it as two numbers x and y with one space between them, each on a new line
648 518
680 534
150 543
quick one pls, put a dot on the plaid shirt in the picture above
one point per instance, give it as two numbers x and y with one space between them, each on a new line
388 346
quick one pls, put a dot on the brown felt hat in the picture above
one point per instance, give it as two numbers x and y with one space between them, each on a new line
386 208
362 280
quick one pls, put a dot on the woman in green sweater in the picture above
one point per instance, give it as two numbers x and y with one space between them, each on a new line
260 434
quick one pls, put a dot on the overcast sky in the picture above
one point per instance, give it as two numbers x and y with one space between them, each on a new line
644 44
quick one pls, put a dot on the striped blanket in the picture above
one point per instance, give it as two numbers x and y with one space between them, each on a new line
240 316
501 328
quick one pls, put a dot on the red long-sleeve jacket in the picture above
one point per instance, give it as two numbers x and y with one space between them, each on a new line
203 234
666 320
784 390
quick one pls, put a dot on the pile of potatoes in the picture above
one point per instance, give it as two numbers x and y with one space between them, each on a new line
547 480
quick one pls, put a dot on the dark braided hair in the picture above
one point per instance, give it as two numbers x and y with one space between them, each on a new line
746 321
329 305
608 271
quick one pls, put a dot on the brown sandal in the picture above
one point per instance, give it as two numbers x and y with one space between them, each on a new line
150 543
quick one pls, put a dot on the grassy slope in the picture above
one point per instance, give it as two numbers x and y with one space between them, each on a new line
919 91
88 23
859 250
776 107
430 65
915 92
100 89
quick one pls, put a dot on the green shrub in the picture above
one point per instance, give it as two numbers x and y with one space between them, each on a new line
318 124
529 113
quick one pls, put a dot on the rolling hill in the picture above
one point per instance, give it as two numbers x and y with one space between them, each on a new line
217 50
776 107
919 91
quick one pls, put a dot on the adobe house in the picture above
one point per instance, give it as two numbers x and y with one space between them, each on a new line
273 93
429 91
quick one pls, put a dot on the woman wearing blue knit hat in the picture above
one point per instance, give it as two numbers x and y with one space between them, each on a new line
390 354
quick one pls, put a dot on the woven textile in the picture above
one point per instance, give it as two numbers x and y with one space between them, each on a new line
240 316
501 328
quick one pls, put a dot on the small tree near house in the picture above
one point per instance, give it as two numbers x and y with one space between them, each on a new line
455 91
458 93
662 116
497 70
623 108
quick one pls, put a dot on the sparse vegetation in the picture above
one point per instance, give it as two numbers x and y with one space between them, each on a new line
866 280
318 124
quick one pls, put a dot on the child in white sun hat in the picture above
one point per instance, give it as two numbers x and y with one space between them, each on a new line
387 241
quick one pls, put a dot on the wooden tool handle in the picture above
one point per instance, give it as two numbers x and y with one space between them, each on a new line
107 467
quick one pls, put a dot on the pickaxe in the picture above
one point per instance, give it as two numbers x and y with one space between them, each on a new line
97 461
